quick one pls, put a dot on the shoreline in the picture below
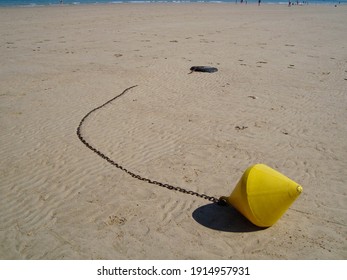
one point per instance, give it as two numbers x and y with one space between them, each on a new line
252 2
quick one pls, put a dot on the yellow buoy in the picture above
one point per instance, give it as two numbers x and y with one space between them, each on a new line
263 195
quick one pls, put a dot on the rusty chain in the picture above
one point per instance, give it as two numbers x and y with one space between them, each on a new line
132 174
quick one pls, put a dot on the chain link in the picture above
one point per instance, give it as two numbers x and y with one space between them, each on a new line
132 174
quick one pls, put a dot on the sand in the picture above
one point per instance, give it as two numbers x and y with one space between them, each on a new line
278 98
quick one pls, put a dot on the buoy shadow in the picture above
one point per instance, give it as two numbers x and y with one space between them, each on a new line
223 218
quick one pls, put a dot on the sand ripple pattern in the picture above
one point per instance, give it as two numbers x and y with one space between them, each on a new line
279 98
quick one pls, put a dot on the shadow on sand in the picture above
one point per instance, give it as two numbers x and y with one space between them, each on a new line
223 218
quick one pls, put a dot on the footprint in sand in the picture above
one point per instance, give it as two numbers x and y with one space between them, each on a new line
115 220
252 97
242 127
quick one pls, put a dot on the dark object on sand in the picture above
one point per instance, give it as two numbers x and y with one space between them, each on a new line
207 69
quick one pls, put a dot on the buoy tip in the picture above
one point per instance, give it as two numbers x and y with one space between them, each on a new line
299 189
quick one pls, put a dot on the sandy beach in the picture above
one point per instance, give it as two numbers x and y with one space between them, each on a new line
279 98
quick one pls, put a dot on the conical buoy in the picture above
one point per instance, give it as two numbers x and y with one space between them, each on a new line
263 195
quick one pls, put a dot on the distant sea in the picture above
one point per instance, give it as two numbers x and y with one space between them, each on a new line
30 3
